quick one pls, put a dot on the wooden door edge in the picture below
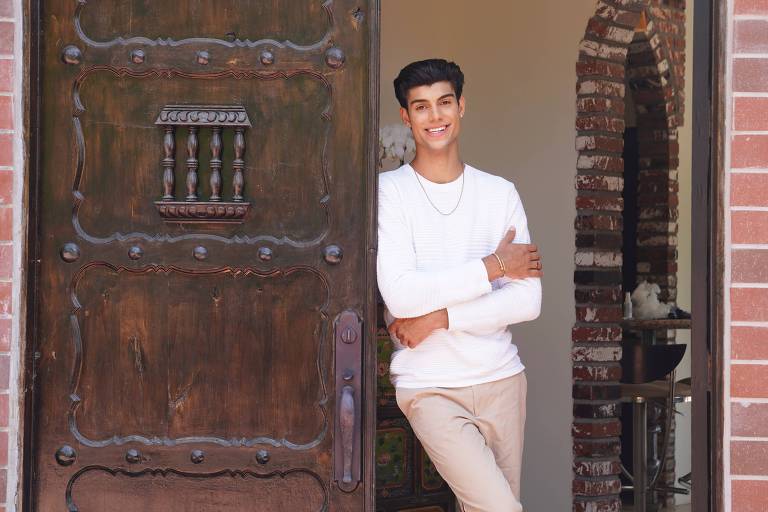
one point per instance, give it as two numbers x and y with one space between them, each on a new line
708 255
31 45
371 169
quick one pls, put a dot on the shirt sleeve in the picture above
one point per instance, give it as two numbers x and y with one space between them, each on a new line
408 292
515 301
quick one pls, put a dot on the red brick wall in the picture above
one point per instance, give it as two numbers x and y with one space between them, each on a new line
652 63
747 245
7 287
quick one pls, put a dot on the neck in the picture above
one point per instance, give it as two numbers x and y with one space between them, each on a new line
438 166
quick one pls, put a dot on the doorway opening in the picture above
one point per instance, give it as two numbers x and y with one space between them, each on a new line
631 97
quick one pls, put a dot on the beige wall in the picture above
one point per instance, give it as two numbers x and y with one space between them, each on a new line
519 61
683 433
519 65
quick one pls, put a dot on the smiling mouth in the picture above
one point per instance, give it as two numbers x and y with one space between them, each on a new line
437 131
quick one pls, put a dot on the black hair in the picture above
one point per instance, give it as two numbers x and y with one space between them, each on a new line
427 72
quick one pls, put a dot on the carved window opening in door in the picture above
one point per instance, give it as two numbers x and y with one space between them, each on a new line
193 118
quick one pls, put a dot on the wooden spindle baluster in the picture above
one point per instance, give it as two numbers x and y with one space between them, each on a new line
216 164
238 164
169 163
192 164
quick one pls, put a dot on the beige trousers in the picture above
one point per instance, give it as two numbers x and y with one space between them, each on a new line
474 436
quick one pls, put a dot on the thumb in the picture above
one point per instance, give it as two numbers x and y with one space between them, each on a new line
510 236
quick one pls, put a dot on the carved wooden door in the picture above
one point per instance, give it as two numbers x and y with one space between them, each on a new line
205 215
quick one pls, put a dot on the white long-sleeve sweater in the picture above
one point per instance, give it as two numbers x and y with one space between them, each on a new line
428 261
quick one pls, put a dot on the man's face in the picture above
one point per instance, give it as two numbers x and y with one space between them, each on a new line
434 115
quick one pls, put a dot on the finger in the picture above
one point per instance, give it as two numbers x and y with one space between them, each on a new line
533 248
510 235
534 256
535 273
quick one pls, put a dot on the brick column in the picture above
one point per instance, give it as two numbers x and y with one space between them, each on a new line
602 71
746 276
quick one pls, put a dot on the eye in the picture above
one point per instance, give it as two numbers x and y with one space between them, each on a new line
420 107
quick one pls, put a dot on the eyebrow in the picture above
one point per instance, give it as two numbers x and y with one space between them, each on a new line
419 100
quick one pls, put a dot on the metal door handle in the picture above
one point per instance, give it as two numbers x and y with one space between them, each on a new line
347 421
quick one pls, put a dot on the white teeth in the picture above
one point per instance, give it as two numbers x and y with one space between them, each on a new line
437 130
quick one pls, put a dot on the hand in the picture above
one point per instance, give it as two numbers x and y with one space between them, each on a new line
520 260
412 331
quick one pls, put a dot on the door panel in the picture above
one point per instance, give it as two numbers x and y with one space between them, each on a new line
172 491
205 254
302 23
284 150
185 386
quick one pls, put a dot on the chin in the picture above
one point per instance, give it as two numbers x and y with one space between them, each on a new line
438 145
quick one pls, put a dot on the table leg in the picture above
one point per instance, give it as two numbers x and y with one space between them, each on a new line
639 453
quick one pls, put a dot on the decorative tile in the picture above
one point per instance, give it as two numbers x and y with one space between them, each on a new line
385 391
394 446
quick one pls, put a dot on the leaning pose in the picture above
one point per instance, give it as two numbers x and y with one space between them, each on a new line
455 268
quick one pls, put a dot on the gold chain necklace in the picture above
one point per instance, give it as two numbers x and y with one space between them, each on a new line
463 172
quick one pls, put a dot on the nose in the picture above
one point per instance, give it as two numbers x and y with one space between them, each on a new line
434 114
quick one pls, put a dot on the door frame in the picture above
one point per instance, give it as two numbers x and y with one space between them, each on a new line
707 254
30 291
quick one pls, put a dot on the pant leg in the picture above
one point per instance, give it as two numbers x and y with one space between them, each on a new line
501 419
442 419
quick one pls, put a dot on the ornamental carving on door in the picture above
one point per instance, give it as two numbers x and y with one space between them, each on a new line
305 223
193 118
137 347
296 489
162 31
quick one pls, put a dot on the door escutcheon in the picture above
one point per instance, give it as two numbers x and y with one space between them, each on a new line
347 441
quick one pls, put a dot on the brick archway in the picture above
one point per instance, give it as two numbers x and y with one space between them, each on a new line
638 44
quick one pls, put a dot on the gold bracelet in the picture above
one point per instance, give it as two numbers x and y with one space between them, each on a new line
501 264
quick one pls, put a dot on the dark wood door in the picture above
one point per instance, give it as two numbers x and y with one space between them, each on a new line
205 209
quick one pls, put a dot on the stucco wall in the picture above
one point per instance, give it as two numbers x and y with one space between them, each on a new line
685 133
520 90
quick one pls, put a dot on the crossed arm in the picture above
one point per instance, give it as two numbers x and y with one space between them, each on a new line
461 297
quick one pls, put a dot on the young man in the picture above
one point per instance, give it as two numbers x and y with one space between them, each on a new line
455 268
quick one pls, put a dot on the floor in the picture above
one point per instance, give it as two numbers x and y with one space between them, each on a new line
678 508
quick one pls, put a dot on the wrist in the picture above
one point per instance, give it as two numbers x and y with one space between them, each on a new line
440 319
493 267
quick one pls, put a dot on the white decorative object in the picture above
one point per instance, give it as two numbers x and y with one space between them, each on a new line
645 302
395 143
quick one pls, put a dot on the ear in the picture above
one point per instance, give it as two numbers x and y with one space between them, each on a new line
405 117
462 105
